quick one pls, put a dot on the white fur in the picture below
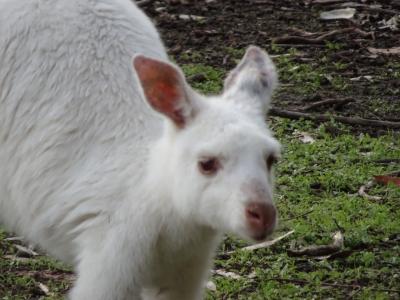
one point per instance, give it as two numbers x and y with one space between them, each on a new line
96 177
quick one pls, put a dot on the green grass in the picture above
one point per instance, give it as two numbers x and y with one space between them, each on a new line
20 277
316 194
211 82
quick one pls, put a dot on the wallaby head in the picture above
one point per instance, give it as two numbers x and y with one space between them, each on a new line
214 160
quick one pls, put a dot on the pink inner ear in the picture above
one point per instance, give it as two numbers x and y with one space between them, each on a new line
162 87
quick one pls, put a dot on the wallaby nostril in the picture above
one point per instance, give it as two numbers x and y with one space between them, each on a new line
261 218
253 214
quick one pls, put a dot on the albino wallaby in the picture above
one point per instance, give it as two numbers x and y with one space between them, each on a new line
112 163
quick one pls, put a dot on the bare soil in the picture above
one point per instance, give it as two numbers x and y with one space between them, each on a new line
281 26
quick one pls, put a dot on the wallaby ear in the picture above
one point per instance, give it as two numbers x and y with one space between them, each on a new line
165 89
254 77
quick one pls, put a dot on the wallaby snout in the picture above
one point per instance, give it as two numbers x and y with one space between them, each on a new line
260 212
261 219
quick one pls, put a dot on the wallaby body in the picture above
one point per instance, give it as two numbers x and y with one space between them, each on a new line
134 195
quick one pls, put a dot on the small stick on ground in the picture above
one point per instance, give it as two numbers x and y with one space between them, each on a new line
337 102
44 288
15 239
346 3
325 118
318 250
292 39
362 191
387 161
322 38
338 285
300 45
327 1
370 8
346 30
25 252
262 2
302 32
340 228
226 274
394 173
267 244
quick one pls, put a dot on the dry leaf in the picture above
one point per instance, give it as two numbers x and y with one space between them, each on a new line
191 17
387 179
345 13
44 289
303 136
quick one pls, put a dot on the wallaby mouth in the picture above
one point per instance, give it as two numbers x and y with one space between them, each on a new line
261 237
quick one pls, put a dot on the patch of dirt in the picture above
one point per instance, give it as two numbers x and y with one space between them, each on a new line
211 32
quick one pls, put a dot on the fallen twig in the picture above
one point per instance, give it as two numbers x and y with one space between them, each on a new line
340 228
339 285
327 1
302 32
346 30
385 51
48 274
394 173
226 274
300 45
324 118
320 39
44 288
362 191
24 251
15 239
16 258
337 102
387 161
267 244
262 2
370 8
296 40
346 3
319 250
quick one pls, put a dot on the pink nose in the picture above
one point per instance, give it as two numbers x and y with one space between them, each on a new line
261 219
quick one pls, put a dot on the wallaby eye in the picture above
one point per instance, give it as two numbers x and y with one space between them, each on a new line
209 166
271 160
